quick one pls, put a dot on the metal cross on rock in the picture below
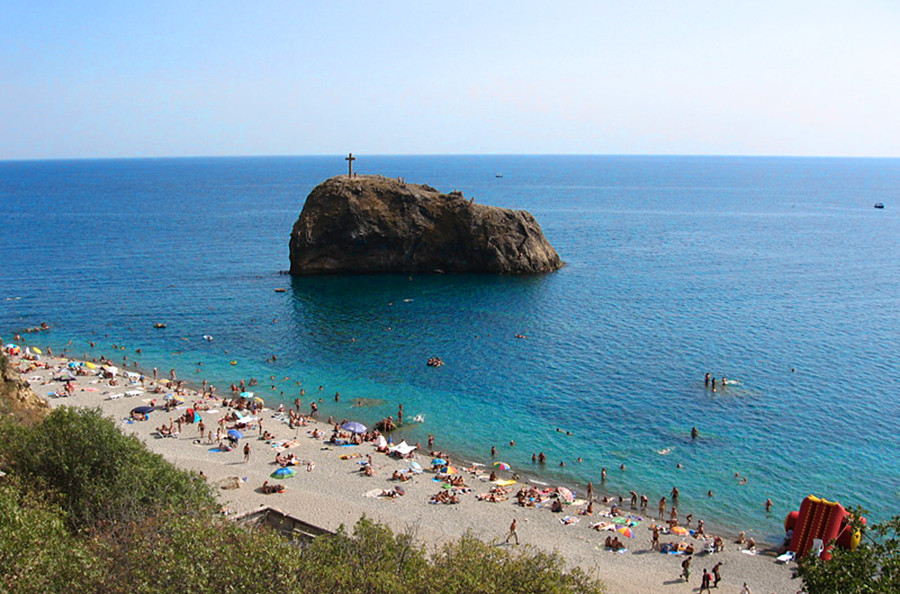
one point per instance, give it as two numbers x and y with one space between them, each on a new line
349 159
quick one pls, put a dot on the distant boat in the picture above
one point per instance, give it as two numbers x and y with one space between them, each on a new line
879 205
498 175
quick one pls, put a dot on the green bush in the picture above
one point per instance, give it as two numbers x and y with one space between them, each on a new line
173 552
37 552
874 567
99 475
372 560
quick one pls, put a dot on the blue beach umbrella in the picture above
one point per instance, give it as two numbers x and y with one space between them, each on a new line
353 427
284 473
247 394
143 410
235 433
438 462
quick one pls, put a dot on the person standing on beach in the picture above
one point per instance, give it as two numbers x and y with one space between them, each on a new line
512 531
590 491
644 502
246 453
654 542
716 576
662 508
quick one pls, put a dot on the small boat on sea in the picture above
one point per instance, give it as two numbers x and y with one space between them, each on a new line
879 205
498 175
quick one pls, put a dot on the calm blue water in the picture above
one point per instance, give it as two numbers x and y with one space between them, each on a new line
747 268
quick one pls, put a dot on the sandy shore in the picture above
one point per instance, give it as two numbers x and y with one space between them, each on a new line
335 492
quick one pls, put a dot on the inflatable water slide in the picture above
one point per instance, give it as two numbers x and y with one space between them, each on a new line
817 524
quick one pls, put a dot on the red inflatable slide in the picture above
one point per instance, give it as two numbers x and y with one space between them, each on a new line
822 521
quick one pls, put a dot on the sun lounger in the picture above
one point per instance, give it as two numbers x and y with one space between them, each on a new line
786 558
114 396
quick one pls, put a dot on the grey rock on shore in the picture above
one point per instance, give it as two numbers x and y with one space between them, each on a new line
372 224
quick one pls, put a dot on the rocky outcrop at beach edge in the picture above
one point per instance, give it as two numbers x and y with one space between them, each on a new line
372 224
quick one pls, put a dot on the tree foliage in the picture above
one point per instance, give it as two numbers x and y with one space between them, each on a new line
37 552
873 568
100 475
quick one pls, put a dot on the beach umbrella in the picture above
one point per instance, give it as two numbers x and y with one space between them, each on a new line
235 433
143 409
284 473
246 394
90 365
450 470
438 462
415 465
625 531
37 350
679 530
502 465
353 427
565 494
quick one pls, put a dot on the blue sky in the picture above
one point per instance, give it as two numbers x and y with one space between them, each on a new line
145 79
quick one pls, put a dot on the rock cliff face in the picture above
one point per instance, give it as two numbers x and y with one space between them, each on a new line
369 224
17 399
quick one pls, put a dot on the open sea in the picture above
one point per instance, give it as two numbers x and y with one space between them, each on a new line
776 273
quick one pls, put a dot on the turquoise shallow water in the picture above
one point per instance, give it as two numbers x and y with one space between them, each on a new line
777 273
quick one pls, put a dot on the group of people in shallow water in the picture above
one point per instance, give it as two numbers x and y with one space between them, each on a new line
710 382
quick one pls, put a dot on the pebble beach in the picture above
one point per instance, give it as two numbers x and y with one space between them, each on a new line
330 488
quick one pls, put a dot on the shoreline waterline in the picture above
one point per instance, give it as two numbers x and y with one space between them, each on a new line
531 474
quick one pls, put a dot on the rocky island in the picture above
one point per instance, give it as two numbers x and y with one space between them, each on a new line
373 224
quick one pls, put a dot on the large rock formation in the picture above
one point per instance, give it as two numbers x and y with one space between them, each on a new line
370 224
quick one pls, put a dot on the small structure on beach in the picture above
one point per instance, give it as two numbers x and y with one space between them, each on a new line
292 528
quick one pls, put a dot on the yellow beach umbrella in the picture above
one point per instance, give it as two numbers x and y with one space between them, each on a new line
36 350
90 365
259 400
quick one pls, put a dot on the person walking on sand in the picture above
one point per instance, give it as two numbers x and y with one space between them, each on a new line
512 532
704 582
746 589
686 569
716 576
246 453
